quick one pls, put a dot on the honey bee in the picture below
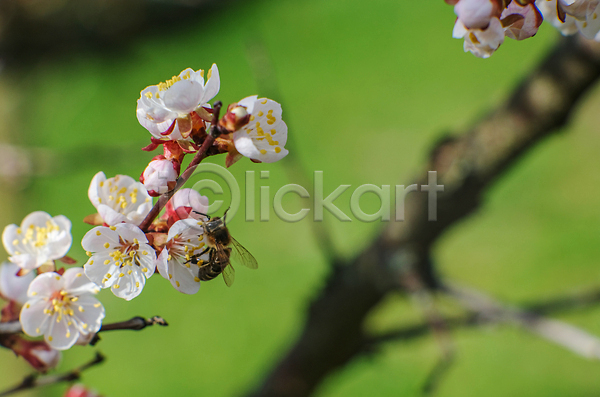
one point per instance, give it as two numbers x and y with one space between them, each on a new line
220 247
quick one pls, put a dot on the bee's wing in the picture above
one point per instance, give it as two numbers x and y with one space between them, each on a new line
228 274
241 255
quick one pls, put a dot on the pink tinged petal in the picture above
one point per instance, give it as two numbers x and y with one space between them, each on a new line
190 198
12 286
33 319
61 335
475 14
183 96
524 27
213 84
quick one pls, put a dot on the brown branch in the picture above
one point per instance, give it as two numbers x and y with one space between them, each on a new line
135 324
466 165
200 155
33 381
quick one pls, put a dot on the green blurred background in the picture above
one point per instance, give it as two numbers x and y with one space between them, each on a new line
367 88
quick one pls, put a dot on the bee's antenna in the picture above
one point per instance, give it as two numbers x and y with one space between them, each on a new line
201 213
225 214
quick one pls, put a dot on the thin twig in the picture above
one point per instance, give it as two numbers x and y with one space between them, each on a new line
12 327
33 381
135 324
198 157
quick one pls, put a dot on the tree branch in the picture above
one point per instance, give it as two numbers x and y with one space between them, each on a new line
466 165
33 381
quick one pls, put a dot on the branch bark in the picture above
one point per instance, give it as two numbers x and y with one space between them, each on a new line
466 165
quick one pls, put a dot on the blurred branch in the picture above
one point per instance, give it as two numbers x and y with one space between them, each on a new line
467 165
30 30
479 317
263 69
561 333
33 381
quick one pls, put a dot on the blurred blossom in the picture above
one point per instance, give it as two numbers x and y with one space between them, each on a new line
37 353
40 239
119 199
61 308
120 258
80 391
13 286
481 43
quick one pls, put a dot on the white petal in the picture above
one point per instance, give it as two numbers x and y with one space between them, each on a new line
183 96
77 283
130 232
88 310
61 335
213 84
95 239
45 285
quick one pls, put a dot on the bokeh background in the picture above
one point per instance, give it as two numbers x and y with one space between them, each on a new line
367 88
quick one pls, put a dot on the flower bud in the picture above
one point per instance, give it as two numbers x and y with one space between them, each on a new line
79 391
186 203
476 14
160 176
236 117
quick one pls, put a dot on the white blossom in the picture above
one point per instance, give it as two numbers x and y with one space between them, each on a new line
185 239
164 109
265 135
61 308
579 15
40 239
13 286
120 259
119 199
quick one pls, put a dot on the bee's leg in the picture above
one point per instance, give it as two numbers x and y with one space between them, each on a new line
194 258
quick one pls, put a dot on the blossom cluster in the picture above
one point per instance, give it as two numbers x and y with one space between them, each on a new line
483 24
130 240
179 117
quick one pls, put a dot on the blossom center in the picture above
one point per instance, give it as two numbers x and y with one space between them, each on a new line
38 236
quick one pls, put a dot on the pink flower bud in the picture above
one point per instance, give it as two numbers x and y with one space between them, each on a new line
186 203
160 176
79 391
476 14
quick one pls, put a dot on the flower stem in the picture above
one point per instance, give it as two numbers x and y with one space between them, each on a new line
200 155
